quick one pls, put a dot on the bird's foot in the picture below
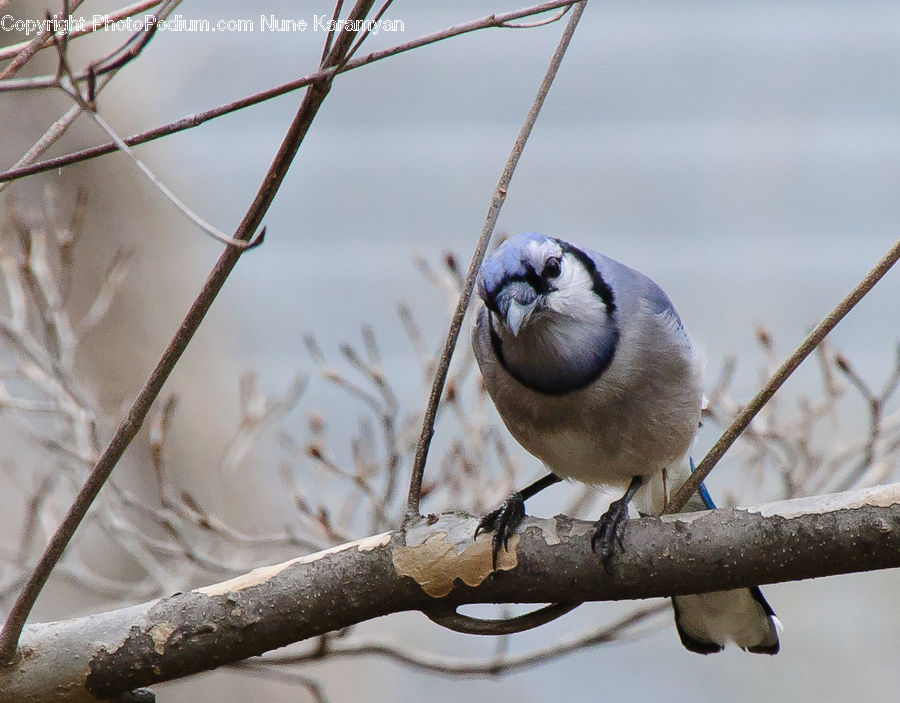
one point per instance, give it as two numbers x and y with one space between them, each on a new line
609 530
502 521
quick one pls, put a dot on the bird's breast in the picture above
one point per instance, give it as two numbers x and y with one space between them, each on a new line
624 424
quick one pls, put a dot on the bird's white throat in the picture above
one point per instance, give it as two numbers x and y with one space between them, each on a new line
567 341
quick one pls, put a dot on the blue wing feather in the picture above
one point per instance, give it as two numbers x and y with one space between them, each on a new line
704 494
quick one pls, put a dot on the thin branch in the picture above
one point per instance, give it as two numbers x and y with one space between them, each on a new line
743 420
132 47
130 51
469 625
365 33
116 273
894 379
204 226
270 673
36 44
258 414
497 200
331 27
616 632
875 404
556 17
48 139
8 52
132 422
58 128
31 528
24 167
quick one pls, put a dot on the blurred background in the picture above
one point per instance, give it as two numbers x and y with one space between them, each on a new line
745 157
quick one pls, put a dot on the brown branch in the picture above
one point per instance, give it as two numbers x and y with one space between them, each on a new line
132 422
330 37
119 58
617 632
8 52
491 21
438 566
271 673
468 625
36 44
743 420
61 125
497 200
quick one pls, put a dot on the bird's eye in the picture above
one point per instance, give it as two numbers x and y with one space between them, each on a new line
551 268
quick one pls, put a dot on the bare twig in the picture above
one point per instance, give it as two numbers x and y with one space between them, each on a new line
875 403
257 414
555 17
112 281
58 128
7 52
132 47
331 27
453 620
618 631
24 167
167 193
362 37
497 200
742 421
32 46
313 688
129 51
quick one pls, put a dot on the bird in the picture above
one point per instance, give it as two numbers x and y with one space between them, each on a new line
592 372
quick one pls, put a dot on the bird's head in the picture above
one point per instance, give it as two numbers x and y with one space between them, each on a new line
518 278
532 277
550 310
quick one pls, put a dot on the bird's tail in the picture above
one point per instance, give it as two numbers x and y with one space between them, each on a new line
707 621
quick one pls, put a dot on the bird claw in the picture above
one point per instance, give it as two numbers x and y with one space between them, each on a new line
609 530
502 521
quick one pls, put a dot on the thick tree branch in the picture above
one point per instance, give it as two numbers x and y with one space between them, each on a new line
435 566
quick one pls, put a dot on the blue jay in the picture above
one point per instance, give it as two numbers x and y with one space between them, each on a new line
593 373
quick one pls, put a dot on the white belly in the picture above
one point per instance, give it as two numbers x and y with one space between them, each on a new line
605 444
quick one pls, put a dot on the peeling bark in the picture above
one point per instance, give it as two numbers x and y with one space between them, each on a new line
434 565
